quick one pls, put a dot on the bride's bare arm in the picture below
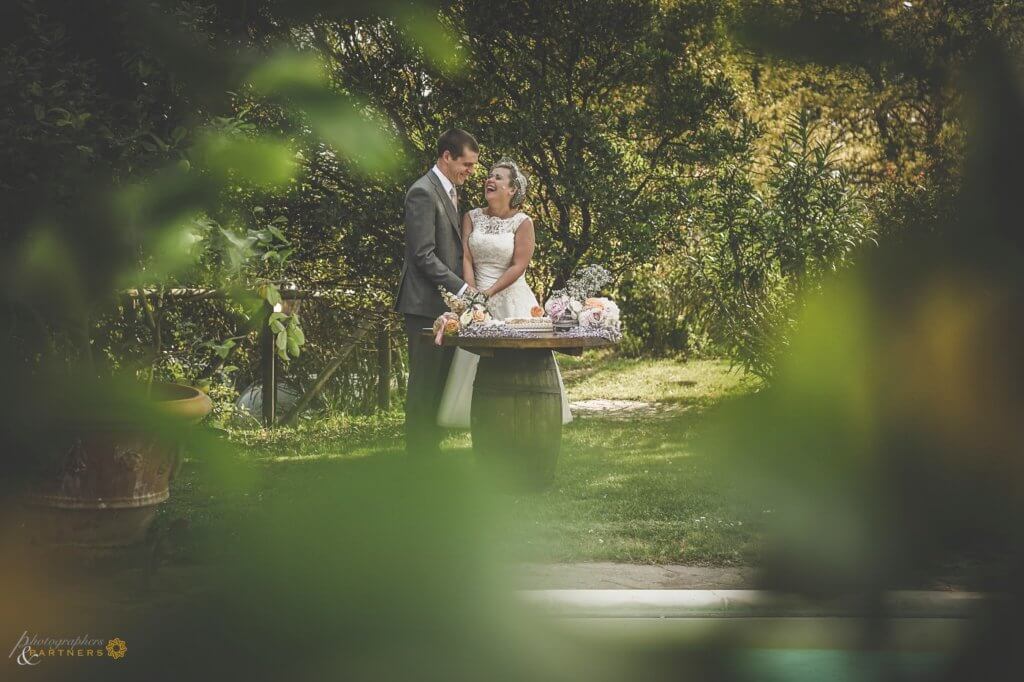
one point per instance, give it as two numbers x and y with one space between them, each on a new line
467 257
525 240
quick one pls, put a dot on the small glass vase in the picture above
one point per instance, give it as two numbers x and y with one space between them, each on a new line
563 323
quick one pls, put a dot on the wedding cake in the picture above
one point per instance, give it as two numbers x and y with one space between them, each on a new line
530 324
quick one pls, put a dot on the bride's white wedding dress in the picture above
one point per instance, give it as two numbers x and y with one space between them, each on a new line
491 244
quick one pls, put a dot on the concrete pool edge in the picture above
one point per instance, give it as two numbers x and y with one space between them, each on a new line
660 603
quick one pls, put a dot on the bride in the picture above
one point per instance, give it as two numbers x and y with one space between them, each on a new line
498 244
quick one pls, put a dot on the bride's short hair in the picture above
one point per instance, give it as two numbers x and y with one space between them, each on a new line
516 179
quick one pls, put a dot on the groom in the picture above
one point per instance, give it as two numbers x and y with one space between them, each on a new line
433 256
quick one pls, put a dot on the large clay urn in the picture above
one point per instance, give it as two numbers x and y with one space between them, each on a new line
113 475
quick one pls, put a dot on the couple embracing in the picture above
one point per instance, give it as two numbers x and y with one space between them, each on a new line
486 249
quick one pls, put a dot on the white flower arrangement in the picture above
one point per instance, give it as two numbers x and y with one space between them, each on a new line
475 314
578 304
599 312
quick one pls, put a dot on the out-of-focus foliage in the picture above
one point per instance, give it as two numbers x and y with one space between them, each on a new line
149 146
889 439
193 160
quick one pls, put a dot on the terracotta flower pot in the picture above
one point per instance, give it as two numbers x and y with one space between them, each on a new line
113 475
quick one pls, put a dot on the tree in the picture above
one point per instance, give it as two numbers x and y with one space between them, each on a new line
885 71
609 106
125 129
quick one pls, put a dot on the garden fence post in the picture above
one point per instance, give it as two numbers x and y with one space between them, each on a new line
268 394
384 368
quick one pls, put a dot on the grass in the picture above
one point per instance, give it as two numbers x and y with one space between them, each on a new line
624 494
697 383
633 489
627 489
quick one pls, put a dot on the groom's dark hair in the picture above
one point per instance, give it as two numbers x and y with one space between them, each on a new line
455 141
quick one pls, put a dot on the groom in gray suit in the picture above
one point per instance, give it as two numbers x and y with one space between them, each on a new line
433 257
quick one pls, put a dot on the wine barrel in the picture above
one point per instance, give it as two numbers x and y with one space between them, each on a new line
516 417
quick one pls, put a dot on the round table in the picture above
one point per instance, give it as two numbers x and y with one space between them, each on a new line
516 414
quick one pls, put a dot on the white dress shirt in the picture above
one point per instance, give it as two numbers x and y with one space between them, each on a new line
448 187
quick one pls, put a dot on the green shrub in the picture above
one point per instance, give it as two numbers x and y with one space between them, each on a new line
751 249
652 325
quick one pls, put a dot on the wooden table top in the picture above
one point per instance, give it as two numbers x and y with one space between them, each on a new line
535 341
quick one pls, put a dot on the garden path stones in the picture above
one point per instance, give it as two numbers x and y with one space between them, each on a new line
623 409
608 575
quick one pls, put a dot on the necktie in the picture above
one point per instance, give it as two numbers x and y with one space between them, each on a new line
455 200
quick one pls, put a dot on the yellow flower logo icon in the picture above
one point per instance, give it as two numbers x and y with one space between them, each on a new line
116 648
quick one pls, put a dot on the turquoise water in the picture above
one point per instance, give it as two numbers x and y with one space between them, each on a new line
829 665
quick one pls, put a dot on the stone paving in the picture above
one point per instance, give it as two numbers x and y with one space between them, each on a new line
623 409
606 575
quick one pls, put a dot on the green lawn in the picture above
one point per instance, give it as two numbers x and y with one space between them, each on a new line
631 488
628 488
697 383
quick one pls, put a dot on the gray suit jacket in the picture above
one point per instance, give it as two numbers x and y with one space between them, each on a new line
433 249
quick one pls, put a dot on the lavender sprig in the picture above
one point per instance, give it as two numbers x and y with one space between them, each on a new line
507 332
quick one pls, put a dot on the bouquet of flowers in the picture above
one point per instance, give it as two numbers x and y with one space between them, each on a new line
599 312
575 304
465 311
446 325
459 304
562 310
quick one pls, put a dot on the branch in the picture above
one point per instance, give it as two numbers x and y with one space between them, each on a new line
549 182
364 326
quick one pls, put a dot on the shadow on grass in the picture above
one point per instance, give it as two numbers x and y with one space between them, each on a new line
635 492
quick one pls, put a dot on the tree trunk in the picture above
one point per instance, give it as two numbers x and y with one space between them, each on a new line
398 362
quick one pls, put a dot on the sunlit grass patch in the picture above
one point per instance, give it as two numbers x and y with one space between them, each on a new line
696 382
324 436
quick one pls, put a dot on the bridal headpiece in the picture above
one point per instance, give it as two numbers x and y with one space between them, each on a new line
518 180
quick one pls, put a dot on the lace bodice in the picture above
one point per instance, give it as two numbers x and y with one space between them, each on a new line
491 244
489 224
